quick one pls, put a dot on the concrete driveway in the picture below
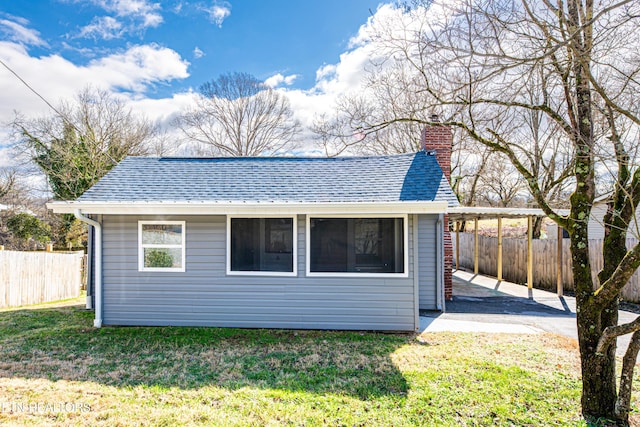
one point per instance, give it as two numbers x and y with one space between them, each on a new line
482 304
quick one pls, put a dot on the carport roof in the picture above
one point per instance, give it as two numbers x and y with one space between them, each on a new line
473 212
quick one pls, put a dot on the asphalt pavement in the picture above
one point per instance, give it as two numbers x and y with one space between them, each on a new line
484 304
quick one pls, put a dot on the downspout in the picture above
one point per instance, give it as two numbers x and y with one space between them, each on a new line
439 263
97 322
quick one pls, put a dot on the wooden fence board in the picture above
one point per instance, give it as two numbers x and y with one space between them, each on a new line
37 277
514 262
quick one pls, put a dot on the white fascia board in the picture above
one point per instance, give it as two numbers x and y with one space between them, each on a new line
246 208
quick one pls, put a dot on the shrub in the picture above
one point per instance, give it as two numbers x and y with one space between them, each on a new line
158 258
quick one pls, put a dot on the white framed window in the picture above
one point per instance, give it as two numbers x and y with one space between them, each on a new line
262 245
161 246
362 245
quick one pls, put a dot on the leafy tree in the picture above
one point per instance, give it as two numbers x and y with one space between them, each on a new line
489 66
238 115
27 227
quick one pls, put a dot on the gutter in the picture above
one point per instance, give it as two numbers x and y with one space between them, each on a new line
97 322
440 263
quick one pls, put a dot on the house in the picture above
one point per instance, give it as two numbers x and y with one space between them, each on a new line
596 221
308 243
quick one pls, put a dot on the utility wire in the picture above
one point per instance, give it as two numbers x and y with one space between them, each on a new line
50 106
32 89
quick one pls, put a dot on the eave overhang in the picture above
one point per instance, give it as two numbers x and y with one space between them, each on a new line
246 208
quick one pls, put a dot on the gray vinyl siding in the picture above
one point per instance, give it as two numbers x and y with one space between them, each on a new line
427 258
204 295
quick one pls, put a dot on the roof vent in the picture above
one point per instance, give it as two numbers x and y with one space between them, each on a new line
431 152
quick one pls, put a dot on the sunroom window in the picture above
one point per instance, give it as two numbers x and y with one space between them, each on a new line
162 245
261 245
357 245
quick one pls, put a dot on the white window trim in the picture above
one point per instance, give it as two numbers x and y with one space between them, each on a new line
293 273
141 247
405 232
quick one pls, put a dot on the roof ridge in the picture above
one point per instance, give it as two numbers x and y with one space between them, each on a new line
268 158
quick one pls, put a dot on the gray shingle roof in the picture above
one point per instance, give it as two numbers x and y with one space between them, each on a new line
405 177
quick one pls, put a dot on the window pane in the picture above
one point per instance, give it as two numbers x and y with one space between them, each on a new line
262 244
329 244
161 234
278 235
162 257
357 245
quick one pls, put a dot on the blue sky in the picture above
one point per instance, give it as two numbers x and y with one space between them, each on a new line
156 54
264 38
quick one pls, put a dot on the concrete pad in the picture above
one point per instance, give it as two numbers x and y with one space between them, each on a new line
436 324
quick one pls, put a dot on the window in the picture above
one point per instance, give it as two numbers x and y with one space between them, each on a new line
162 245
357 245
265 246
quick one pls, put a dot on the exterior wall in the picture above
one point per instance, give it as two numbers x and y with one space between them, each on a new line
205 296
596 224
427 261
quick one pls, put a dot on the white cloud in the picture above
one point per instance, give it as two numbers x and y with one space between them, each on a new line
346 76
218 12
105 27
16 30
139 9
278 79
140 66
198 53
130 16
134 70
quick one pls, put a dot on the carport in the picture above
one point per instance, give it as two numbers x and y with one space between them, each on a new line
465 213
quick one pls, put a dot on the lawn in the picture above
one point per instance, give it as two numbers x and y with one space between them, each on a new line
55 369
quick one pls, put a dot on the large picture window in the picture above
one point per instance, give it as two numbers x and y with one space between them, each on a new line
261 246
357 245
162 245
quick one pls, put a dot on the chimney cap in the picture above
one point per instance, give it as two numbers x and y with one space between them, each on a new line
434 118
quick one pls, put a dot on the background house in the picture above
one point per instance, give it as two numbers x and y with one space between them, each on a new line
596 222
320 243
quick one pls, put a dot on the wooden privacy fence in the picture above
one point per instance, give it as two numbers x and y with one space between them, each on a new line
514 261
37 277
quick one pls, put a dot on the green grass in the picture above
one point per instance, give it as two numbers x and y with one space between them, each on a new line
209 376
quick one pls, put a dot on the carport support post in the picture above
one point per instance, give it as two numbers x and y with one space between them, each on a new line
475 246
499 248
457 245
529 252
559 261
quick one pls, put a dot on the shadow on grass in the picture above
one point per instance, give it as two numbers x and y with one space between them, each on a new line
60 344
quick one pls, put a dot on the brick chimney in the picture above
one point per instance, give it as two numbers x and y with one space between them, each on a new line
438 138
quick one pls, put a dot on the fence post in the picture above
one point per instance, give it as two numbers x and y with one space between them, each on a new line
559 262
499 249
530 252
49 247
475 247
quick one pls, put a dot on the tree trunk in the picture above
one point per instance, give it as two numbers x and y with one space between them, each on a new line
598 370
537 226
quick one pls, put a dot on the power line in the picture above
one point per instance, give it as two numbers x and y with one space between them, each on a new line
52 107
31 89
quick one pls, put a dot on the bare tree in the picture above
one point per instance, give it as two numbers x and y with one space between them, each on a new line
7 183
238 115
478 63
500 185
84 139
